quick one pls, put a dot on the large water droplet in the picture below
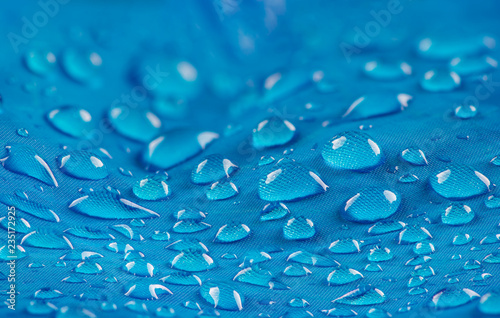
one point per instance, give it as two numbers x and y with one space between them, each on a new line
458 181
466 66
152 188
81 65
192 261
134 123
222 190
466 111
343 275
386 226
447 47
212 168
452 297
107 205
364 295
232 232
385 70
288 181
21 202
352 150
71 120
377 104
256 276
440 81
298 228
414 234
24 159
40 61
457 214
490 303
274 211
273 132
46 239
222 295
174 147
144 290
82 165
371 205
414 156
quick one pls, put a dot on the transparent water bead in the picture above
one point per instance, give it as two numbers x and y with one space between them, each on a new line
288 181
386 226
423 248
453 297
140 267
457 214
71 120
174 147
373 267
338 311
81 65
222 295
440 81
21 225
385 70
416 281
273 132
46 239
489 304
377 104
232 232
88 268
24 159
493 258
352 150
472 264
266 160
466 111
298 228
296 271
6 253
371 204
466 66
41 308
152 187
414 156
22 132
107 205
143 290
414 234
458 181
135 123
21 202
274 211
186 244
183 279
190 226
343 275
450 46
40 61
378 254
298 303
47 293
212 168
462 239
222 190
82 165
496 161
192 261
408 178
345 246
307 258
255 275
378 313
364 295
189 213
424 271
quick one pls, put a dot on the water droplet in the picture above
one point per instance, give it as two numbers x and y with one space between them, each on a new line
274 211
232 232
265 160
296 270
378 313
134 123
466 112
140 267
22 132
47 293
222 295
152 188
446 46
256 276
7 255
181 278
46 239
496 161
416 281
40 61
472 264
212 168
88 267
352 150
343 275
339 311
377 104
461 239
489 303
255 257
457 214
414 156
21 225
453 297
387 70
458 181
71 120
298 228
24 159
345 246
288 181
372 267
466 66
21 202
307 258
192 261
82 165
144 290
440 81
186 244
107 205
423 248
378 254
414 234
364 295
222 190
273 132
81 65
408 178
190 226
298 303
386 226
371 205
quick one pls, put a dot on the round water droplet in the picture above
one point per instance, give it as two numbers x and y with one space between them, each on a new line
296 270
298 228
274 211
378 254
423 248
387 70
490 303
82 165
414 234
457 214
352 150
458 181
273 132
371 205
364 295
222 295
145 290
461 239
466 66
472 264
307 258
22 132
192 261
416 281
256 276
212 168
452 297
440 81
414 156
288 181
140 267
466 112
377 104
386 226
40 61
343 275
152 187
174 147
81 65
222 190
134 123
345 246
181 278
232 232
71 120
448 46
190 226
46 239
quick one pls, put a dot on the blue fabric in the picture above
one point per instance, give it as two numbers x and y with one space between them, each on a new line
235 46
